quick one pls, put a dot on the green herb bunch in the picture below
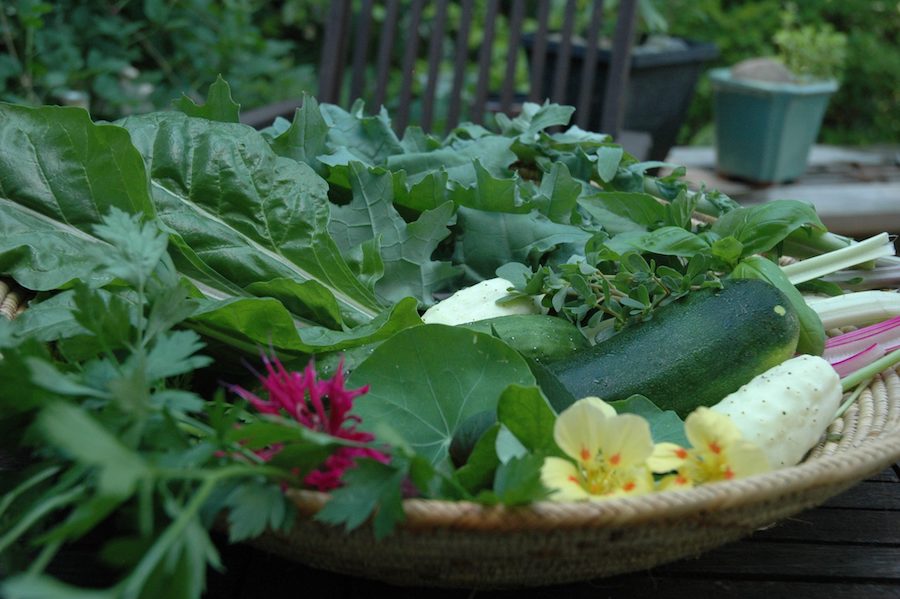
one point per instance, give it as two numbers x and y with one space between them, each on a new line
110 437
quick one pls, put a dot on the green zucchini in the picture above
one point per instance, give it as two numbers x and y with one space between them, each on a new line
535 336
692 352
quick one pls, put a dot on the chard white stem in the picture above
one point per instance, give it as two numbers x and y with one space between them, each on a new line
859 308
879 246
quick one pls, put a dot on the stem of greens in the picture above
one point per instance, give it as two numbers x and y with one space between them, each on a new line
38 478
853 397
134 583
876 367
38 512
45 557
873 248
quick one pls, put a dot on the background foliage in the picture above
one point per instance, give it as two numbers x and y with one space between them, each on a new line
866 108
130 56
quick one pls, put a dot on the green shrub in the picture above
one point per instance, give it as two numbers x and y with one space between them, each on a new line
126 57
864 110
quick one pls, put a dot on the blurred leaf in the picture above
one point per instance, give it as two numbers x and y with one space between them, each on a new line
219 104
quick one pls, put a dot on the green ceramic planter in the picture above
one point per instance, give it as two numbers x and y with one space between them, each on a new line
765 130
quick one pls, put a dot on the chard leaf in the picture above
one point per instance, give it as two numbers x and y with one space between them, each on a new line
251 323
406 248
65 174
219 106
427 380
243 212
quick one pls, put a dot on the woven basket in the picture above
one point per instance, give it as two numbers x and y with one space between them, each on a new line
462 544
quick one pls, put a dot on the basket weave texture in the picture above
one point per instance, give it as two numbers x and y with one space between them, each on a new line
464 544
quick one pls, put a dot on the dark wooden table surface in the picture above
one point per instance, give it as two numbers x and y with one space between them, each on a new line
847 548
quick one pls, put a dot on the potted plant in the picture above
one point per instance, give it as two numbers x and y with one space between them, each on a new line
768 111
661 66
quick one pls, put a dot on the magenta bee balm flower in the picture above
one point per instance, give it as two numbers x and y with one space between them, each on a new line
320 405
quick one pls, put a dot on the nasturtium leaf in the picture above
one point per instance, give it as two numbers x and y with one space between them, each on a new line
219 106
665 426
427 380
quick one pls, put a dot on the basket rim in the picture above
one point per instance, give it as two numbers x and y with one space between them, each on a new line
842 468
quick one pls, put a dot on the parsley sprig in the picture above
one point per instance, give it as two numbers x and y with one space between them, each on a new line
110 437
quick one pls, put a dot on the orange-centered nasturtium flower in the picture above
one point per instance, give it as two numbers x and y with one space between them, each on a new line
608 453
718 452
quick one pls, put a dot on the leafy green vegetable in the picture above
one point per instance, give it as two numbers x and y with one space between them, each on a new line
427 380
665 425
812 333
219 106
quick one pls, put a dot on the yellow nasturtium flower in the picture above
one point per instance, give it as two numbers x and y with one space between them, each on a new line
717 452
608 453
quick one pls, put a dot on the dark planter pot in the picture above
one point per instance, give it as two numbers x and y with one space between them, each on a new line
660 87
